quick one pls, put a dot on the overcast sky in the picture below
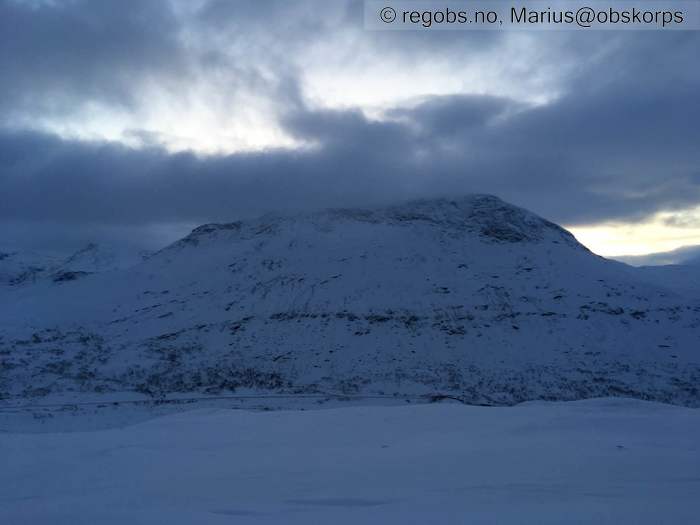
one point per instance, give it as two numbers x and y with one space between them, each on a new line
139 120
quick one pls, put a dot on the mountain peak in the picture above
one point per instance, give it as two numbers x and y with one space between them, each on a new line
467 296
486 216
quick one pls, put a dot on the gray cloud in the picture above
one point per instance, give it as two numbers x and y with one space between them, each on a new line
62 56
579 159
619 143
59 55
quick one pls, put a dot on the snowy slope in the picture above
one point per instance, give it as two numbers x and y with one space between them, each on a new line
471 297
597 461
682 278
22 268
677 270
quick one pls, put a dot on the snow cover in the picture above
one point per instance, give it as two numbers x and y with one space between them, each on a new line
470 297
292 340
22 268
597 461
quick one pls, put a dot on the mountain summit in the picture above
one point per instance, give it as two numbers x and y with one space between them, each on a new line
483 215
469 297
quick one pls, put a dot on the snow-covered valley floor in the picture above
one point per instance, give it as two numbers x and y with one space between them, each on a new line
597 461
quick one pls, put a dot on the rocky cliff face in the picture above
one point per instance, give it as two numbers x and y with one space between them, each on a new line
470 297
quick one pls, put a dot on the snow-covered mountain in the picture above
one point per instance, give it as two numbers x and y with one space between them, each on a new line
21 267
469 297
685 256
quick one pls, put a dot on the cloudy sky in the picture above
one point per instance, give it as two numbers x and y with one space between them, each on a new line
136 121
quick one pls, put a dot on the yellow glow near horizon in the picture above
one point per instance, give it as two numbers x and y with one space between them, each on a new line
663 232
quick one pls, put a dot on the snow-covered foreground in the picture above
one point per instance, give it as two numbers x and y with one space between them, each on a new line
599 461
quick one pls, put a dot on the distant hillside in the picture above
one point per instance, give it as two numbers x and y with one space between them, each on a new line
19 267
688 255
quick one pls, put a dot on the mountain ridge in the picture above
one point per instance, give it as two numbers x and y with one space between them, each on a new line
469 297
496 218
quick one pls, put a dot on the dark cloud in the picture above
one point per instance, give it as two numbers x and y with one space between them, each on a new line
620 142
280 25
59 55
579 159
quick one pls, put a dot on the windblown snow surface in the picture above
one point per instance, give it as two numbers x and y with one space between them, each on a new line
596 461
